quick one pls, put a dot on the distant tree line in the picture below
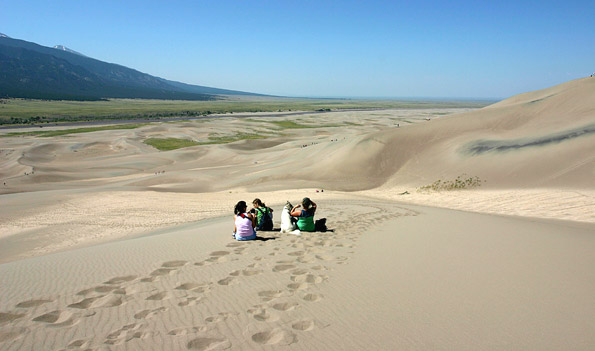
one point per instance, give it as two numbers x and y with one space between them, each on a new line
152 115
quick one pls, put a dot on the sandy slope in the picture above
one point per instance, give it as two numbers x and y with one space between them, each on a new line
541 139
107 243
422 278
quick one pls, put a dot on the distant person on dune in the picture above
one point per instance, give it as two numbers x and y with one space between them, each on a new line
244 222
305 215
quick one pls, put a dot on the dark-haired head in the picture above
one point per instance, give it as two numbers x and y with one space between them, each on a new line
257 202
306 203
240 207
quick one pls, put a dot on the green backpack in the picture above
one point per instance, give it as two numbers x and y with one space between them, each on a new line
265 222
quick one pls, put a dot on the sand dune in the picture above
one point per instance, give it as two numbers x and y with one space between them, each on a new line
109 244
544 139
420 280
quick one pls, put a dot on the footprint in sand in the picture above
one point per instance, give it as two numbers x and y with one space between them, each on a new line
220 317
79 344
85 303
303 325
211 260
12 334
239 250
306 260
158 296
57 318
251 272
125 334
219 253
298 286
32 303
189 301
102 289
208 344
149 313
325 257
120 280
173 264
286 261
285 306
320 268
234 244
299 271
194 287
308 278
226 281
312 297
320 243
99 301
162 271
296 253
186 331
269 295
283 267
261 314
245 272
275 336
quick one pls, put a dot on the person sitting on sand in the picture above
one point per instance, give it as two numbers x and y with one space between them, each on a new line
264 215
305 215
244 222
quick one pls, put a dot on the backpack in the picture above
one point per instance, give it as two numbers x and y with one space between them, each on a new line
320 225
266 222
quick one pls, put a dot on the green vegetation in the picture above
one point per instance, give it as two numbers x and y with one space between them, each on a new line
166 144
226 139
460 183
285 124
24 111
290 125
53 133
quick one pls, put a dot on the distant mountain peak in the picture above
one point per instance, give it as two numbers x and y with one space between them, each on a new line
29 70
64 48
2 35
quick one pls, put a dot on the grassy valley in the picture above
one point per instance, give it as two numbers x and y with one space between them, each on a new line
25 111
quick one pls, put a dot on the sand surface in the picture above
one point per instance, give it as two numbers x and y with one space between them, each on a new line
109 244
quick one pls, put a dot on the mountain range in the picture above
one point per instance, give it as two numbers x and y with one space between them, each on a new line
29 70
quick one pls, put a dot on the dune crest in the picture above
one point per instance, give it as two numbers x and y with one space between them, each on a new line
539 139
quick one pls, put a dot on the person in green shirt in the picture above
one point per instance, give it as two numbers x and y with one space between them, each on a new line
305 215
264 215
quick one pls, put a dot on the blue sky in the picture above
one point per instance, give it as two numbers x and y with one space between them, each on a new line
452 49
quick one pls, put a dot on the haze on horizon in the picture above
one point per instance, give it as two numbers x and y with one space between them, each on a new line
326 49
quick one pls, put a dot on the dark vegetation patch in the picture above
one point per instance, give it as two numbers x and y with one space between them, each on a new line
481 147
166 144
53 133
461 182
26 111
539 100
294 125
